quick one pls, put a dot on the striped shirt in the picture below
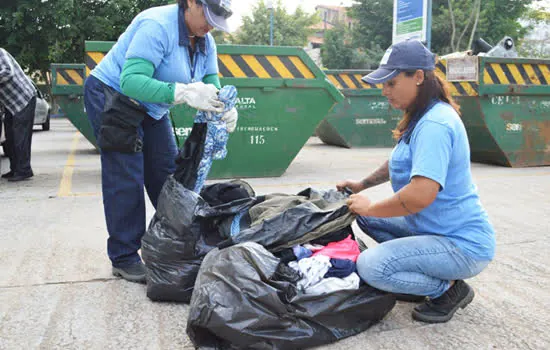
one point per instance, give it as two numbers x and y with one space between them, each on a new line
16 88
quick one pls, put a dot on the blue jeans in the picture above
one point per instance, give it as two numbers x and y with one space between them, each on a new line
407 263
123 176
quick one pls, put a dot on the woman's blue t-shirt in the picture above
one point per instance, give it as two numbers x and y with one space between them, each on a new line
438 149
159 35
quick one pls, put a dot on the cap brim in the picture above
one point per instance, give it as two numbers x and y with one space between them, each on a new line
218 22
381 75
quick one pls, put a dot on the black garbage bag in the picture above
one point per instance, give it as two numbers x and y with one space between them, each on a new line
244 300
187 226
178 238
316 214
190 155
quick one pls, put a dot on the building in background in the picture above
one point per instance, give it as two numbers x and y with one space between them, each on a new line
330 17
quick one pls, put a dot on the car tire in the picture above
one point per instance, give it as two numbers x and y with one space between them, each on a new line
46 125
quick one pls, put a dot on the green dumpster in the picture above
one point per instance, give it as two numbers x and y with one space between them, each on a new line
283 95
67 90
505 105
364 118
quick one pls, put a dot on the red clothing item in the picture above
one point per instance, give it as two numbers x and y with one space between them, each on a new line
344 249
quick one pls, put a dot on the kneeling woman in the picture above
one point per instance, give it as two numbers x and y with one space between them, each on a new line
433 231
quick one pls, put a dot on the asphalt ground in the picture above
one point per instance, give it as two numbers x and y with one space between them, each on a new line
57 291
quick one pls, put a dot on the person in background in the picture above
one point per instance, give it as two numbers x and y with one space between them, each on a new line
433 232
18 98
165 57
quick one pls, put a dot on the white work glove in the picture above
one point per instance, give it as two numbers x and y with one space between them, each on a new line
199 95
230 118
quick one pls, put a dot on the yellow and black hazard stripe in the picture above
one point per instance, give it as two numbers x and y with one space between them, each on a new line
66 76
92 60
243 66
516 73
351 81
263 66
458 88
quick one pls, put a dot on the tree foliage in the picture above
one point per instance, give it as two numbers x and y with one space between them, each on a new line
538 44
289 29
41 32
337 51
495 19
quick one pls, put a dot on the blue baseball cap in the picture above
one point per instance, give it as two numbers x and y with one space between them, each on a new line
217 12
404 56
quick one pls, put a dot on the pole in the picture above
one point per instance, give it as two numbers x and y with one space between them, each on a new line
271 29
429 25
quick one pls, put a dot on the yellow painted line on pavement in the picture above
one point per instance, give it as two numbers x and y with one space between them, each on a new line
66 181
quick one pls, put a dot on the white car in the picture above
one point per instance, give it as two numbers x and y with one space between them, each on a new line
42 112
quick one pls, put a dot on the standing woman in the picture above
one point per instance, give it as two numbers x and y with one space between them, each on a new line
433 231
165 57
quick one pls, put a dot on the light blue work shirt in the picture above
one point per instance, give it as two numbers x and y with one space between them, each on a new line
159 35
438 149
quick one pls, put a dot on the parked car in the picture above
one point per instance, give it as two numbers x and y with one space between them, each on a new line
42 112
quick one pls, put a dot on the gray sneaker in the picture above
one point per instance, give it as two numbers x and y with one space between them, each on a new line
132 273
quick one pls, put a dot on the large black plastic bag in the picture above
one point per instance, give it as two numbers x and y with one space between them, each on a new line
298 225
182 231
240 302
184 227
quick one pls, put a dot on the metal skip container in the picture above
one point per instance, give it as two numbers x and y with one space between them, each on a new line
283 95
364 118
505 105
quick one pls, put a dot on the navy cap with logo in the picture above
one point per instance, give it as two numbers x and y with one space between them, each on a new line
217 12
406 55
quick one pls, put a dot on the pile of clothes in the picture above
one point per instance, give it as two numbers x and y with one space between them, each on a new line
326 269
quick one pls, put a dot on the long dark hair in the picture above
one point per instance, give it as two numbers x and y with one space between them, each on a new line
432 88
183 4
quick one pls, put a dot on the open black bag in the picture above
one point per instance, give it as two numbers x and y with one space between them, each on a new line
178 237
186 227
244 300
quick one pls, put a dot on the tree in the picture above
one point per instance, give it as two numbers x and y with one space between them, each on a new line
490 20
372 31
537 45
288 29
337 51
455 23
41 32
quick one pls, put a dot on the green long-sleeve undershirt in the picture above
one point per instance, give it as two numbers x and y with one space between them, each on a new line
136 81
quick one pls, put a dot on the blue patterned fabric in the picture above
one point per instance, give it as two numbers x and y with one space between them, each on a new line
236 223
217 135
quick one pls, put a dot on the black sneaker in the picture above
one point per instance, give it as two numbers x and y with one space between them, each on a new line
7 175
132 273
20 177
409 298
442 309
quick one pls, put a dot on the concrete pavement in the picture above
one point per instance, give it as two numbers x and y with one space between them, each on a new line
56 290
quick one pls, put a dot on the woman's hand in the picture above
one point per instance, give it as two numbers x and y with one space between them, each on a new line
198 95
359 204
355 186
